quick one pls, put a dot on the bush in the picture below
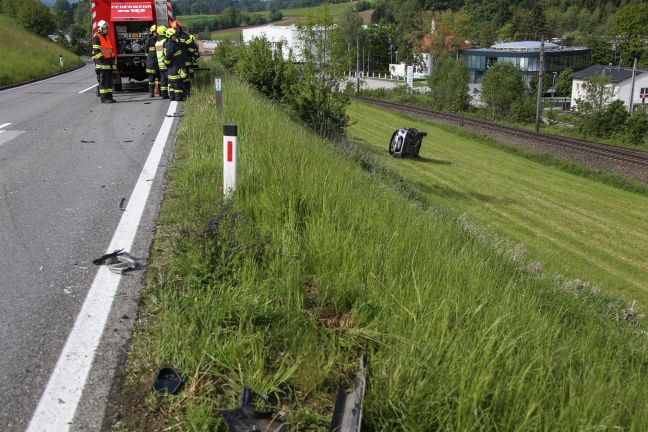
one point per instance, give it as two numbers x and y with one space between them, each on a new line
636 127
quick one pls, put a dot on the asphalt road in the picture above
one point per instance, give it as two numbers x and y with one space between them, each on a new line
68 166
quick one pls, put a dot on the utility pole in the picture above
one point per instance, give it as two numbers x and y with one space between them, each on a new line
539 102
634 71
357 64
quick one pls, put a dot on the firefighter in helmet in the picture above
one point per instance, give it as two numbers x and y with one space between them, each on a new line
175 61
187 48
162 67
151 60
103 55
195 54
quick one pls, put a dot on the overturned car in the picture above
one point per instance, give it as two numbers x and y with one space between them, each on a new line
406 142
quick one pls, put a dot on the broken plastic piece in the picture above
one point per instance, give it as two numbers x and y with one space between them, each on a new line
246 418
117 261
167 380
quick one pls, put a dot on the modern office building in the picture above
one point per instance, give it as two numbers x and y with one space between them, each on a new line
526 55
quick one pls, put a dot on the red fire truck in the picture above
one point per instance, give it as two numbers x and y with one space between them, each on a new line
130 23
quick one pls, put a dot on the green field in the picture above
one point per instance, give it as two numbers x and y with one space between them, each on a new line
574 226
330 251
335 9
30 57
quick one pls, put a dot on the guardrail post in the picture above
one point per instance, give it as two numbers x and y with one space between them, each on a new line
229 159
218 86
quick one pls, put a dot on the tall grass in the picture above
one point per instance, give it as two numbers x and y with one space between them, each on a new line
318 259
27 56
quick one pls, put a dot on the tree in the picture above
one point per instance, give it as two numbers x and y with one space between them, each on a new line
350 30
599 92
564 82
486 37
61 5
448 84
410 30
36 18
503 85
263 68
636 127
631 30
315 95
383 12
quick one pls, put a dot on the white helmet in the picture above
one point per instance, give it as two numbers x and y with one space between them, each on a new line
102 24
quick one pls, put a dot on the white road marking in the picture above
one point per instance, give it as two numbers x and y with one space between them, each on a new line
8 136
60 399
4 125
89 88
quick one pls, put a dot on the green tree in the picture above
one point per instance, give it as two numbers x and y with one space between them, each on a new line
61 5
631 31
448 84
383 12
315 95
264 69
10 7
503 85
487 36
36 18
564 82
409 31
599 92
636 127
350 31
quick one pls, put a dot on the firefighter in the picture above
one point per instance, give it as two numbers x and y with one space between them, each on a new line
104 58
162 67
187 49
151 60
195 54
175 61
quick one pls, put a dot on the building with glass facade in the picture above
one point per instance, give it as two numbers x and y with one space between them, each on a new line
526 55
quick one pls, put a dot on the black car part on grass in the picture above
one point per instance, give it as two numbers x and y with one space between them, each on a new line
347 413
246 418
167 380
406 142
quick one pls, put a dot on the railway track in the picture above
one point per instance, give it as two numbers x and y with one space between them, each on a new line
622 160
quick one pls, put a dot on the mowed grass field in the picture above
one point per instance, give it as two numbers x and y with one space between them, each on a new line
576 227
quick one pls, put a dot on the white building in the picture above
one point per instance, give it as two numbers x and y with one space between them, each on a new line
289 35
621 81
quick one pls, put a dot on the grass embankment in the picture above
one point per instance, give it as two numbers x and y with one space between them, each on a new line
578 227
26 56
317 260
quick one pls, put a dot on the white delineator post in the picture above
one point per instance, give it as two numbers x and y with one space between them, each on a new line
229 159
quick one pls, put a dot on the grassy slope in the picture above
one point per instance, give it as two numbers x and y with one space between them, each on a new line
26 56
576 227
316 261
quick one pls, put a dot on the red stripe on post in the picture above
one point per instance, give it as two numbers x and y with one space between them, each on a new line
229 151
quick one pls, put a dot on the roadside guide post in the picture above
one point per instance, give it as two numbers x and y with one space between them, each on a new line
229 159
218 85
